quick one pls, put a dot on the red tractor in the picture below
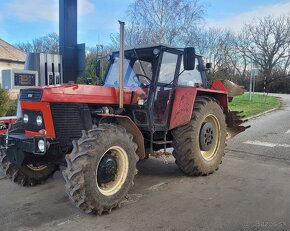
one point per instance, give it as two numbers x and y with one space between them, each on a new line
152 98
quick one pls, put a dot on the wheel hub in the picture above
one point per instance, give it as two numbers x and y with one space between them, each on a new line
107 169
112 171
206 138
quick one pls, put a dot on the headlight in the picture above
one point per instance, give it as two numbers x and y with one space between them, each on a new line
39 120
25 118
41 145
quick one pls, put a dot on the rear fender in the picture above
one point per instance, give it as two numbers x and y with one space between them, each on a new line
220 96
183 104
131 128
182 107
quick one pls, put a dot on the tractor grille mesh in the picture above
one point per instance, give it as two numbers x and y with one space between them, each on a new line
67 120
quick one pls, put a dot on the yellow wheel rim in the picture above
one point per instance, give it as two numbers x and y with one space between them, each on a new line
112 187
36 168
211 153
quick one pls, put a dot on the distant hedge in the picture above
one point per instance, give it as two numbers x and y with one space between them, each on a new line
12 107
4 102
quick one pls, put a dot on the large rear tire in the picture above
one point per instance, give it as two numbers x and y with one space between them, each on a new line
101 168
199 145
26 175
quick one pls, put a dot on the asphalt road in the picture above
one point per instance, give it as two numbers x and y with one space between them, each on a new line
251 191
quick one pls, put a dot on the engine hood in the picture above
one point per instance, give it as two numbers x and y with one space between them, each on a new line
79 93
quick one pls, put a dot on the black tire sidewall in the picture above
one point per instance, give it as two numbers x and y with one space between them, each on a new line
38 175
206 110
90 170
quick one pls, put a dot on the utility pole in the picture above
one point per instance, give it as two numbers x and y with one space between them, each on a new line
251 77
251 74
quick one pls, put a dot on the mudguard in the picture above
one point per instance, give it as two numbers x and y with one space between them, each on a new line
131 128
183 103
184 99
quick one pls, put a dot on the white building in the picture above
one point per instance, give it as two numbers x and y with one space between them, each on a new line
10 57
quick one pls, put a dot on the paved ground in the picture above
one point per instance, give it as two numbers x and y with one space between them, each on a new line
251 191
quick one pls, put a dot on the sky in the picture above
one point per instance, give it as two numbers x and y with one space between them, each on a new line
23 20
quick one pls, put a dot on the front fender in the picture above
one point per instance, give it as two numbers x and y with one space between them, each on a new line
131 128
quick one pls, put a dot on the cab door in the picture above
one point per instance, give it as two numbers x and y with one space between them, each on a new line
164 89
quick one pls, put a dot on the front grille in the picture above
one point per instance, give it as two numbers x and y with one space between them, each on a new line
67 120
30 94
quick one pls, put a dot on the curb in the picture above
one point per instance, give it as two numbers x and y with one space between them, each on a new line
262 113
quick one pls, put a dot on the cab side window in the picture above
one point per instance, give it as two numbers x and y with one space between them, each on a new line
167 69
189 78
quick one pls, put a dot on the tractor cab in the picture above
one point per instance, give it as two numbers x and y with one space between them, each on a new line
158 71
158 65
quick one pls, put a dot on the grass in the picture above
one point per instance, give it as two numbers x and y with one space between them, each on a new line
259 103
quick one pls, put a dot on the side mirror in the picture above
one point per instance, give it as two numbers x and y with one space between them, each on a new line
98 68
208 65
89 81
189 58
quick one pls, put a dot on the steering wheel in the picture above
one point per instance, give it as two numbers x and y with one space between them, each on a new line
146 81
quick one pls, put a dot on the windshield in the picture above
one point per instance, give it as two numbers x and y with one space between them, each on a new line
138 70
112 78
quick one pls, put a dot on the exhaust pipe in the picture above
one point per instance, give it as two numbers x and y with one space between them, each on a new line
121 74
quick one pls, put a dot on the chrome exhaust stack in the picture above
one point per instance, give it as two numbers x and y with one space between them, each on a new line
121 74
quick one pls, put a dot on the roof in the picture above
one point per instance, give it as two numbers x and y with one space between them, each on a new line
160 45
149 46
11 53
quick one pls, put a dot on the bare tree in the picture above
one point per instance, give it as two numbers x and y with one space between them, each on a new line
45 44
267 42
216 45
161 21
135 35
240 60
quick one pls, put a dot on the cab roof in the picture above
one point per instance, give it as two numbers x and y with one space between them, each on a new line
150 49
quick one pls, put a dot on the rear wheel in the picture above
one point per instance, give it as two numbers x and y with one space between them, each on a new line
101 168
26 175
199 145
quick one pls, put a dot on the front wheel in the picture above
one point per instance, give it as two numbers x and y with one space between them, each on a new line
26 175
199 145
101 168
